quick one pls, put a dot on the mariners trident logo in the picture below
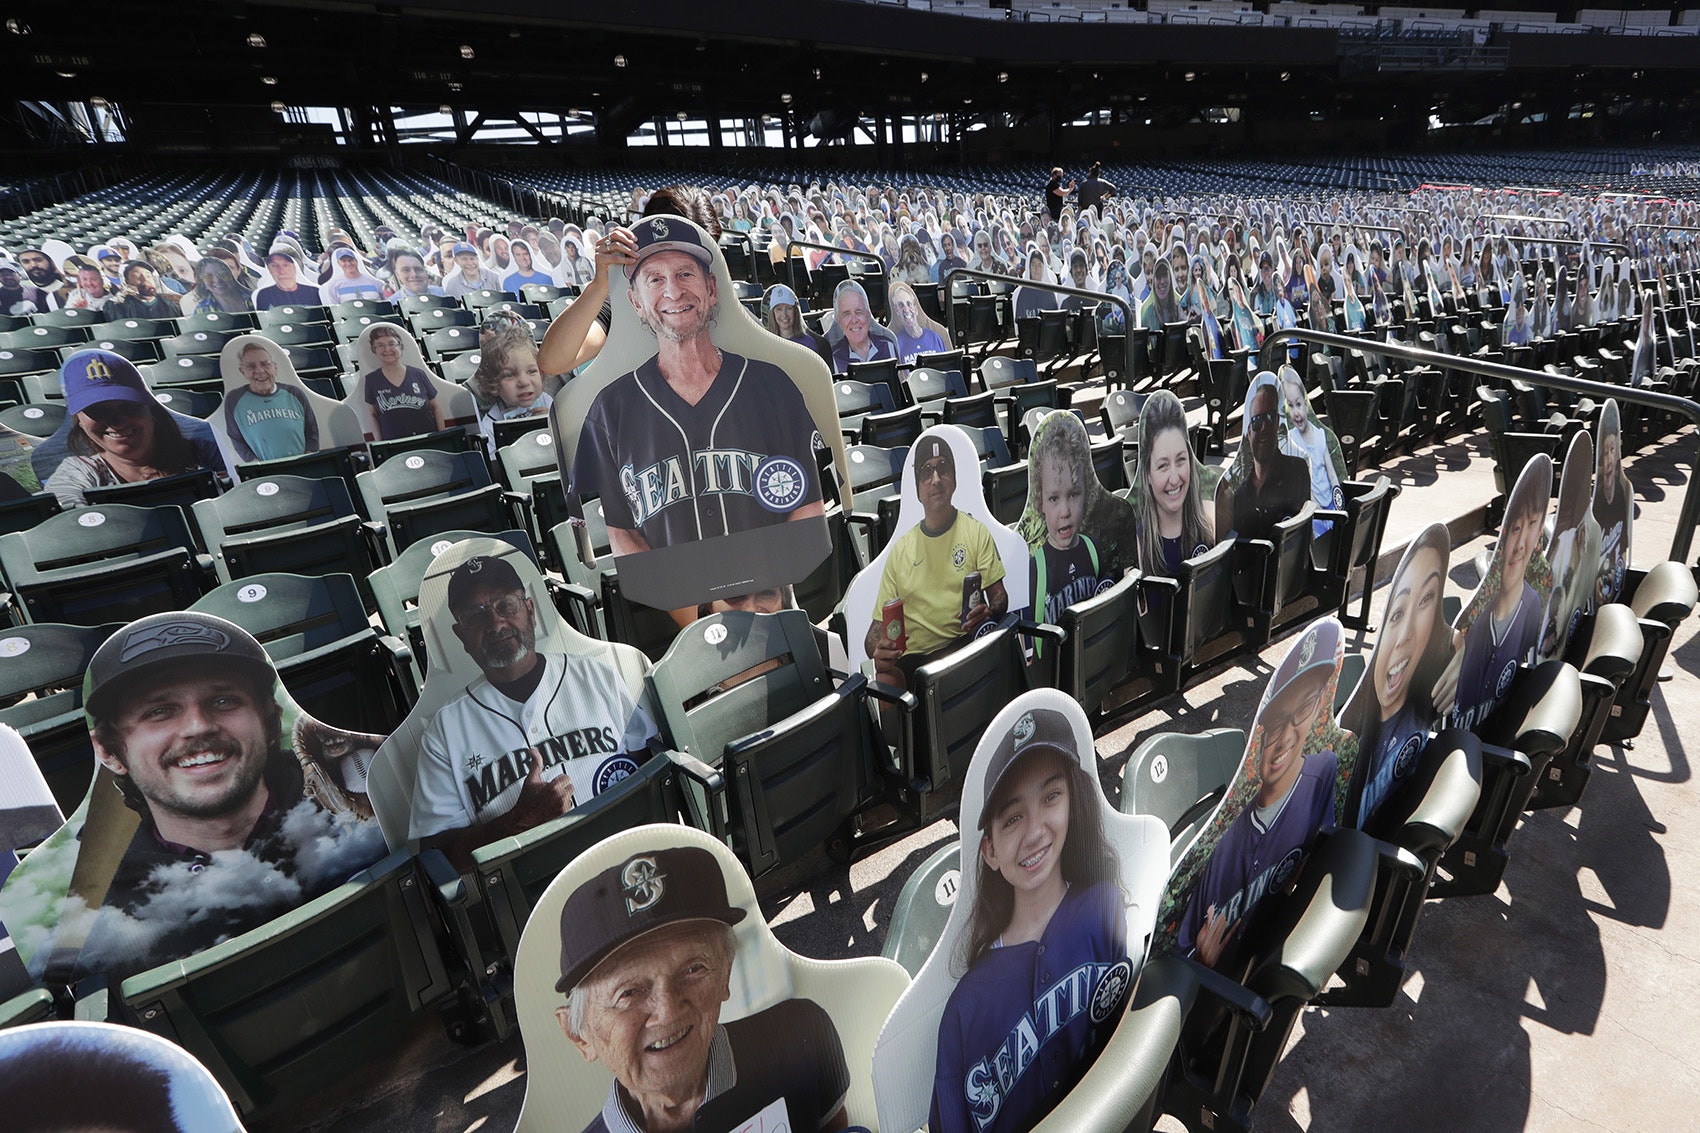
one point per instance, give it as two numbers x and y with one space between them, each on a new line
641 880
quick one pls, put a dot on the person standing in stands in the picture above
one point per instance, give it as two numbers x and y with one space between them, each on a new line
1094 191
140 297
1055 194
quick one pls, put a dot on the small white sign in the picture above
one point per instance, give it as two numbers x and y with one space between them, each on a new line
265 488
415 462
14 646
92 518
252 592
948 887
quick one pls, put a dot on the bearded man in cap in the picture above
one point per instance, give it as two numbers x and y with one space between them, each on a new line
141 296
533 736
926 568
1294 798
696 442
647 949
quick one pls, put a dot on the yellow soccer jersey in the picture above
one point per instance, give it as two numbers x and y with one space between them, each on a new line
926 571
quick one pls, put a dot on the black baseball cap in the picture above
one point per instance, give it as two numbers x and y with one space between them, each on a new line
669 234
930 448
1036 730
644 892
165 642
482 572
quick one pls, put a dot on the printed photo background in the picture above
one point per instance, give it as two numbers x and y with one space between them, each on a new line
1294 831
60 906
16 450
325 423
1392 709
602 675
103 1076
908 1054
646 469
565 1092
862 606
1486 658
412 411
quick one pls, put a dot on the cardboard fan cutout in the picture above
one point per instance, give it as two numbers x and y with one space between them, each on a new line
27 815
699 431
1173 504
663 918
267 414
1284 791
1081 538
1499 628
1614 506
1263 485
18 478
520 718
395 395
917 332
116 432
1392 709
100 1076
949 573
1572 550
1314 441
1046 937
216 805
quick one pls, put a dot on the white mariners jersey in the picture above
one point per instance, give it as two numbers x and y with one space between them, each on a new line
473 760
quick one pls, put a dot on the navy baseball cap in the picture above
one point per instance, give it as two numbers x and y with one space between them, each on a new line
344 253
644 892
481 572
462 248
93 376
165 642
669 234
1317 652
1037 730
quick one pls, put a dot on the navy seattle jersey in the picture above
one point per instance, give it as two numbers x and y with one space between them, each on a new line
1489 665
1253 859
742 457
1025 1022
1397 745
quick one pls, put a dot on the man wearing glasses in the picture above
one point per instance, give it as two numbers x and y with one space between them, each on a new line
1265 485
531 737
926 568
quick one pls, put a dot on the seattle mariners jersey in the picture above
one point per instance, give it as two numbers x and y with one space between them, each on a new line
742 457
1258 856
790 1051
1491 660
1614 516
1059 579
1026 1021
1398 743
473 758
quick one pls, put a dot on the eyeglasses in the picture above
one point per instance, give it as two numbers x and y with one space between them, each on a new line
936 468
1263 420
506 608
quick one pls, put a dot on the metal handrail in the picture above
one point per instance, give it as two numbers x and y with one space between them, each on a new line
857 252
1681 541
1055 289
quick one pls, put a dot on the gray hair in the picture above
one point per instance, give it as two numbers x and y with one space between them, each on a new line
578 997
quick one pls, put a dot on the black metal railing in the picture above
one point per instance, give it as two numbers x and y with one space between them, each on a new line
1053 288
1681 541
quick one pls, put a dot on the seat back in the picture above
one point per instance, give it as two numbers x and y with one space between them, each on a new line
395 586
1180 779
428 491
285 523
1102 647
897 429
959 694
923 908
111 563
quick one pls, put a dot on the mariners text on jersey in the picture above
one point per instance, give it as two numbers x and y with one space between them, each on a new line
995 1076
488 778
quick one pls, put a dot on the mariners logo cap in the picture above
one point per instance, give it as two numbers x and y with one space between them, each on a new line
93 376
644 892
463 248
669 234
1036 730
164 642
481 572
1317 652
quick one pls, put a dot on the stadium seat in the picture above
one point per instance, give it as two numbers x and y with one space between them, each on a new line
111 563
923 907
749 695
395 585
1662 598
289 524
1100 649
1185 622
427 491
41 683
181 490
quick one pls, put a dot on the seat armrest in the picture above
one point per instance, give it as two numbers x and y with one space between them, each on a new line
450 885
94 999
1323 918
1252 1008
1028 628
